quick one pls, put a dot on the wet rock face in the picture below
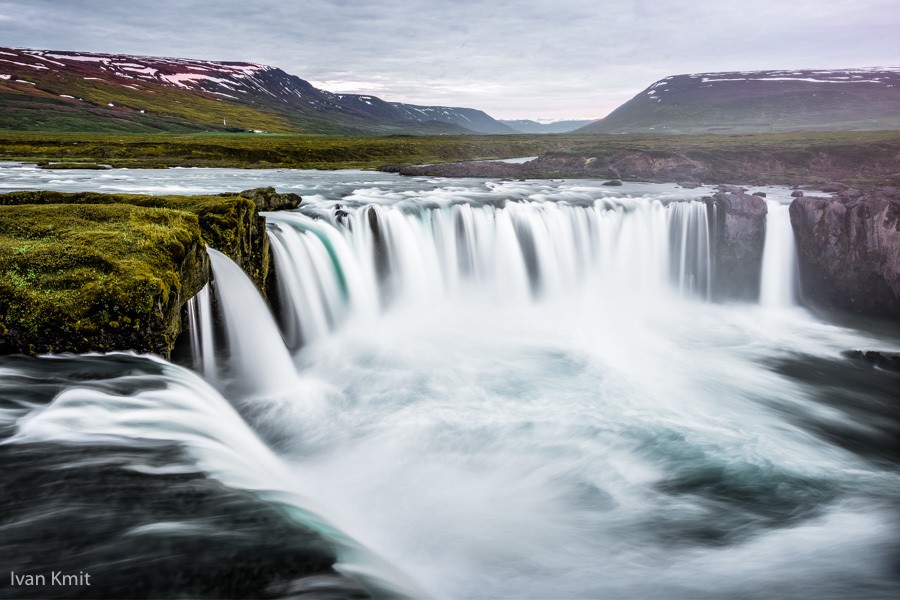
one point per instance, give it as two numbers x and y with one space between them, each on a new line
738 237
849 250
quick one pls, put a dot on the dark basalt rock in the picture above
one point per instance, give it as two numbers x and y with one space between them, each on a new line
760 194
613 182
882 360
849 250
738 236
797 193
340 215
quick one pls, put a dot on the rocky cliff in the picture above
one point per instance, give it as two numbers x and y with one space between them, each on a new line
849 250
737 239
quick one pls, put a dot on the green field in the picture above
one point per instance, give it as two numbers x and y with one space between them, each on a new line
803 141
249 150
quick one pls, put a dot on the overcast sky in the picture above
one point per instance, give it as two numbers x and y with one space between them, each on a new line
513 59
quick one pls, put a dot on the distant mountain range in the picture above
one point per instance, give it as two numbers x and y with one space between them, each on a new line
44 90
528 126
78 91
760 102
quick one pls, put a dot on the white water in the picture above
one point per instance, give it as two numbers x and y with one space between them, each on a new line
518 389
778 284
200 322
259 358
359 261
177 406
526 380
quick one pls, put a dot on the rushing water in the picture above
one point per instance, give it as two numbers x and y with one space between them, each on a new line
485 389
778 287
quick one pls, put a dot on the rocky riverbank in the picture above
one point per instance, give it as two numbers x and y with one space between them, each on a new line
90 272
752 160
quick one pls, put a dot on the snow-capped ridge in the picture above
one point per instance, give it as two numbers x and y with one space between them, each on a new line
262 88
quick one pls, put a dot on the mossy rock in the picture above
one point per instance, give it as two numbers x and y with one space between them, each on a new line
86 272
229 223
79 278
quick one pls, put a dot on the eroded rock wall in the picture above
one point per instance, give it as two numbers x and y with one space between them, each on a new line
849 250
737 238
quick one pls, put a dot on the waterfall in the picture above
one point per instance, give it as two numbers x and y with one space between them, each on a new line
360 260
689 227
778 282
200 324
318 279
260 359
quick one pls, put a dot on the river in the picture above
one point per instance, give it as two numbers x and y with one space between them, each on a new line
470 388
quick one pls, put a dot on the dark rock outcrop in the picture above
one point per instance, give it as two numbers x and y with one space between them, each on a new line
849 250
613 182
882 360
738 237
267 199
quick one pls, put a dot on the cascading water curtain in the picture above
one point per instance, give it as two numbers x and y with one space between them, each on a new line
359 260
690 248
200 324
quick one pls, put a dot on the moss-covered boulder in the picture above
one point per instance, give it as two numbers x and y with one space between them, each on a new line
76 278
229 223
86 272
266 198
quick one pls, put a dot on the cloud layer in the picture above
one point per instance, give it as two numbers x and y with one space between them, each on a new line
525 58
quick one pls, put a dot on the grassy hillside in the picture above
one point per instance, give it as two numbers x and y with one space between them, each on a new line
43 107
761 102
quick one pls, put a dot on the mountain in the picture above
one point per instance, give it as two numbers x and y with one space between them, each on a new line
528 126
78 91
762 101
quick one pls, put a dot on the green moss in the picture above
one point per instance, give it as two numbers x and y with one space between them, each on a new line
99 272
76 275
228 223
